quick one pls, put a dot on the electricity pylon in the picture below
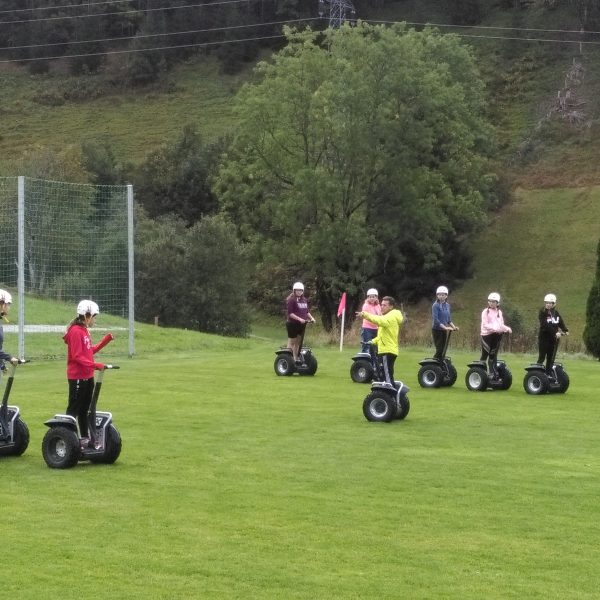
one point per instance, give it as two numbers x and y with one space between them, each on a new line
340 11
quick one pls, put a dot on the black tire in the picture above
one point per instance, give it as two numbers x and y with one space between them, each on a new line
450 379
112 447
563 381
311 365
430 376
536 383
60 448
476 379
20 437
379 407
284 365
404 408
361 371
507 379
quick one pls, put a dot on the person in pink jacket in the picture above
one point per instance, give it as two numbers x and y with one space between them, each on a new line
81 364
492 328
368 330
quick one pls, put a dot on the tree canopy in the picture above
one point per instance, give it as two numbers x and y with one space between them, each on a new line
361 157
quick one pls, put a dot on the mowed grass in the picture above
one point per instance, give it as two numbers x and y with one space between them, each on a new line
236 483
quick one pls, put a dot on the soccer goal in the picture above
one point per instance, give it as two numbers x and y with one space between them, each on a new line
62 242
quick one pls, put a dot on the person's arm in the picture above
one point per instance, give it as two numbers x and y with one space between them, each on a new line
105 340
79 354
561 324
435 315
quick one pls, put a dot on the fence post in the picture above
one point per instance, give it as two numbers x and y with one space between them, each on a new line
21 262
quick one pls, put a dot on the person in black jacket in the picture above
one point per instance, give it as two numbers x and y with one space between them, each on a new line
552 327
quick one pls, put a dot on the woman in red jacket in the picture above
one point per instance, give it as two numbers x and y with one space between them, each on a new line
81 365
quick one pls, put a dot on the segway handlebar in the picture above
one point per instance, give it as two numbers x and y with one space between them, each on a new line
111 367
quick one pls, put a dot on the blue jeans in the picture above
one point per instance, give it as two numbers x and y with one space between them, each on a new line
366 335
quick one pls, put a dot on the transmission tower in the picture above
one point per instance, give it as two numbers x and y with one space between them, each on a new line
340 11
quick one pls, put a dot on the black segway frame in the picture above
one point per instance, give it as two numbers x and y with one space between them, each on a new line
284 364
479 379
537 381
61 444
434 373
386 402
14 433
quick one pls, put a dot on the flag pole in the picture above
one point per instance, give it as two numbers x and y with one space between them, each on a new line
342 330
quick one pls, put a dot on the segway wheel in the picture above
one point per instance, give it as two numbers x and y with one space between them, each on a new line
20 437
403 408
507 379
451 377
379 407
563 380
284 365
536 383
60 448
476 379
112 448
430 376
361 371
311 365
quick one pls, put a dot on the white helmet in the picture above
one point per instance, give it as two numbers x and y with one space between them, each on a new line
442 290
494 296
550 298
87 307
5 297
372 292
298 286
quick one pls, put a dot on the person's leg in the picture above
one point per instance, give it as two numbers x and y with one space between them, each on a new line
80 397
494 346
551 345
366 335
387 367
439 339
485 347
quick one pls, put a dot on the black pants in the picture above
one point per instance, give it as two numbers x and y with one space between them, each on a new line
386 367
490 345
439 341
80 398
546 350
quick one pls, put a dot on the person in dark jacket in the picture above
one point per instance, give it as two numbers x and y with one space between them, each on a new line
552 327
297 316
441 321
81 365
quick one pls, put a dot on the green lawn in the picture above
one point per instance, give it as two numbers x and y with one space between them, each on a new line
236 483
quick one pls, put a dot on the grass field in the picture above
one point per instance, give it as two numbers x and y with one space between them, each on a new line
236 483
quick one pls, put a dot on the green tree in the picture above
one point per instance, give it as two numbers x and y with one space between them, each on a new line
175 179
360 156
192 277
591 331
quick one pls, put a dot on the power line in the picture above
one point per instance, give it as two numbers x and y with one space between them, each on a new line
125 12
34 8
129 51
153 35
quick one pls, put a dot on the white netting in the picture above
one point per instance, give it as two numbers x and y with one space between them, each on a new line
75 239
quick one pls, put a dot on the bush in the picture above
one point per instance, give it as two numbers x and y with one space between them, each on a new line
591 332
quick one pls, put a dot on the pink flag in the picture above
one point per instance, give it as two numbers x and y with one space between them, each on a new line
342 305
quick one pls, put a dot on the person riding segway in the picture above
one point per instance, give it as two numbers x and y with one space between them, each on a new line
495 374
295 358
364 363
551 376
439 370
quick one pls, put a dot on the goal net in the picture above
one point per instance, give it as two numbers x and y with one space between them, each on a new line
62 242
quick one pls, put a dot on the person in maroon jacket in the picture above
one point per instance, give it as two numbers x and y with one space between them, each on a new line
297 316
81 365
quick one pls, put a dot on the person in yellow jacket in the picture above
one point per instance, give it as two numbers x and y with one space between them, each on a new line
389 323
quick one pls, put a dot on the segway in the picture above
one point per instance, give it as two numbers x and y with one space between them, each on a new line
14 434
61 446
537 381
362 369
284 361
479 378
436 373
386 402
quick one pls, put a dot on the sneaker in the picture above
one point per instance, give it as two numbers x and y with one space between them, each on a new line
84 443
97 445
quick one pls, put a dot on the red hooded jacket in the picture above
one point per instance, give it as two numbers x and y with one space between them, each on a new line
80 356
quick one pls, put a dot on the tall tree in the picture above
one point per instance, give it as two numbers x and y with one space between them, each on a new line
359 157
591 332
